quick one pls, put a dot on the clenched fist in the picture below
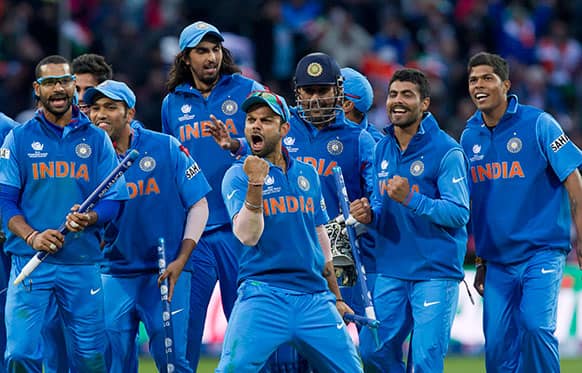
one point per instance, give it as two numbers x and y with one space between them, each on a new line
256 169
398 188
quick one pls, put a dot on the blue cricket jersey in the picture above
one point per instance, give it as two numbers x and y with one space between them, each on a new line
288 254
163 184
186 116
370 128
53 171
6 124
338 144
426 238
518 200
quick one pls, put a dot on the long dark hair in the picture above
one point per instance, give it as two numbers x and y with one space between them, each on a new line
180 72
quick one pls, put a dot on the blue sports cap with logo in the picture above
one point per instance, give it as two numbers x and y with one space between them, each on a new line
192 35
317 69
357 89
274 101
117 91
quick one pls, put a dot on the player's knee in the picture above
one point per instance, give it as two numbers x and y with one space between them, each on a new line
533 326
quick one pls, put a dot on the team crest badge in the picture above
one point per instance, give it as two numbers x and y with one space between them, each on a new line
186 108
83 150
417 168
229 107
335 147
514 145
269 180
314 69
147 164
303 183
201 25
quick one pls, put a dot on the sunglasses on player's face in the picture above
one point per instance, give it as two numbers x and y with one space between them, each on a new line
52 80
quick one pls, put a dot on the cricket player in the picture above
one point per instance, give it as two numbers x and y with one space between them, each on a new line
358 99
6 124
90 70
278 214
204 82
321 136
48 166
418 213
166 191
523 170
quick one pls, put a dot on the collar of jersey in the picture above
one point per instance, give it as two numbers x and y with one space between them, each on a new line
512 106
78 120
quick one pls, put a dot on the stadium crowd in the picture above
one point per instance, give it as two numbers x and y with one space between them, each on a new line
541 39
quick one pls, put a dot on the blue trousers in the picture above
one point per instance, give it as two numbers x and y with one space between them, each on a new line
130 299
265 317
214 258
78 293
425 307
519 314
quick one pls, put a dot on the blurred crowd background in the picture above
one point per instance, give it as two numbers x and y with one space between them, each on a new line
541 38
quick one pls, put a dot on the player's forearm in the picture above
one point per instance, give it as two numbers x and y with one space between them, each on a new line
195 224
248 226
249 223
329 274
18 225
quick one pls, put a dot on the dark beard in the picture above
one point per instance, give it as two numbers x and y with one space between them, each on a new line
58 114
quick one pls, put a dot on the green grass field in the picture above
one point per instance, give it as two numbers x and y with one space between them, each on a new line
452 365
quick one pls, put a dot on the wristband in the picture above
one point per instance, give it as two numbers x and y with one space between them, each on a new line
30 238
252 207
256 184
340 300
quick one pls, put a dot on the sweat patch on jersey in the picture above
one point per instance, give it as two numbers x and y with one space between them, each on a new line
192 171
558 143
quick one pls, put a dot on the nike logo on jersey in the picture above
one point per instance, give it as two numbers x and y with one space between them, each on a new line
457 179
545 271
177 311
95 291
340 325
428 304
231 194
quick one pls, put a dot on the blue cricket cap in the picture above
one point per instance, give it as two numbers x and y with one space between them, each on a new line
317 69
117 91
274 101
357 89
192 35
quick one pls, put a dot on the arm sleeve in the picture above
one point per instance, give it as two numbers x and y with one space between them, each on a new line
196 220
367 146
324 242
562 154
10 174
452 208
190 180
106 210
165 115
9 202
